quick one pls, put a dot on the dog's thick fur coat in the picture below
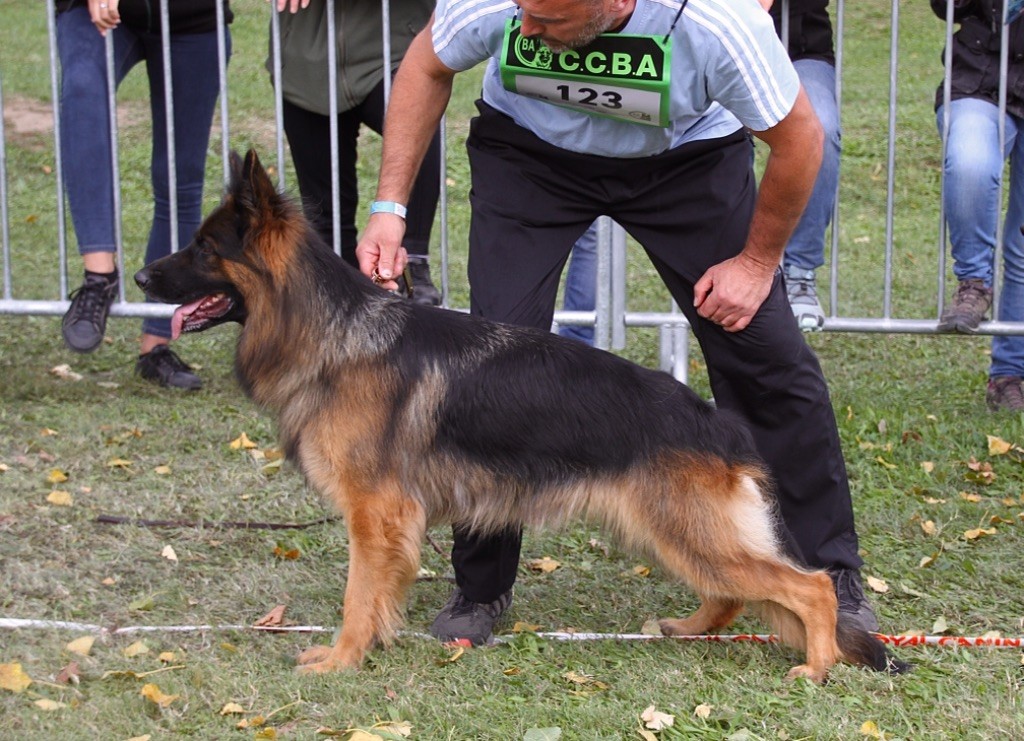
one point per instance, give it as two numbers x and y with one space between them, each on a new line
405 416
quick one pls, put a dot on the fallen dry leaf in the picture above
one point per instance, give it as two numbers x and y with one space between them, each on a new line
877 584
288 555
166 657
81 646
651 627
998 446
274 617
928 527
56 476
939 626
242 442
60 498
44 704
13 678
927 466
68 675
703 711
64 372
642 570
254 722
524 627
543 565
118 463
655 720
169 554
232 708
153 693
136 649
162 470
979 532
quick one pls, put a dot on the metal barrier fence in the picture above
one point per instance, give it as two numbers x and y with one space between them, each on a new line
612 315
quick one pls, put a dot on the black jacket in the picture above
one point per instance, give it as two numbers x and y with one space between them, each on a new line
975 71
810 29
143 16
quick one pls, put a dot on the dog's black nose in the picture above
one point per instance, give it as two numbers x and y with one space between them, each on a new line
142 278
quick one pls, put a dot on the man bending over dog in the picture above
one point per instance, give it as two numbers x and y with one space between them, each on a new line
638 109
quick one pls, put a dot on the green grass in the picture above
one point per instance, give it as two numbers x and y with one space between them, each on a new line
910 412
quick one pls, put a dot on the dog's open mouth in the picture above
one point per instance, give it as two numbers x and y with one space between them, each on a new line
199 315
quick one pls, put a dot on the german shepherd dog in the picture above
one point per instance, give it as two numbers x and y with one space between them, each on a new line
406 416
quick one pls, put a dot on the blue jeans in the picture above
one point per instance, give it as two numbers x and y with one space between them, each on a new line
85 141
581 284
806 248
972 170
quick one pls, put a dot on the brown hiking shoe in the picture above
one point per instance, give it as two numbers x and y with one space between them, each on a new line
1006 393
970 304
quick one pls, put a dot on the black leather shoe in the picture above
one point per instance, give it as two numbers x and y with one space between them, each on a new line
461 619
161 364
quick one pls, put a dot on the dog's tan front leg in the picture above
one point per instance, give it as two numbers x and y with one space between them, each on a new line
385 531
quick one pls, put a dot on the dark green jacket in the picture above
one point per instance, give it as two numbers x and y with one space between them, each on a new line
360 65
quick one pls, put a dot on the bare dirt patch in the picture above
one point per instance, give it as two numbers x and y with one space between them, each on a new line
28 122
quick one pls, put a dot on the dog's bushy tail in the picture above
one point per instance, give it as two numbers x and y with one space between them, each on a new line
862 649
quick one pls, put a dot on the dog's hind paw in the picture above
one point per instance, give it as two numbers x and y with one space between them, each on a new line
817 676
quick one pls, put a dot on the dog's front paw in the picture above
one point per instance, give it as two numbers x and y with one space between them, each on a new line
817 676
314 655
325 659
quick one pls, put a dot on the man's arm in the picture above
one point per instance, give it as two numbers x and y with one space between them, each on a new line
731 292
419 96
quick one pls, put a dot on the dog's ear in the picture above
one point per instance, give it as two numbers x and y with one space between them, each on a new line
254 190
263 190
235 168
251 187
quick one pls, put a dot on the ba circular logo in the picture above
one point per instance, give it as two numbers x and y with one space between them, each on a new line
532 53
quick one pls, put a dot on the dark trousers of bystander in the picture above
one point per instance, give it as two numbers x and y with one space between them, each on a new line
309 138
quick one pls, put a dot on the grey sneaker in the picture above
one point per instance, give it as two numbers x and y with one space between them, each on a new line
162 364
852 602
461 619
803 299
86 319
423 289
970 304
1005 392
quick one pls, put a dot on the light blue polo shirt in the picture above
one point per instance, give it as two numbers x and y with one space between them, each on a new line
728 70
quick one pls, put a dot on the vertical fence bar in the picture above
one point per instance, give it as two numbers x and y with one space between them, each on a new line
222 69
947 95
62 237
833 276
275 54
602 294
172 150
894 43
443 207
115 162
5 231
617 316
997 265
332 116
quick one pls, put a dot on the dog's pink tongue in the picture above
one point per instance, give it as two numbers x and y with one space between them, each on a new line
179 317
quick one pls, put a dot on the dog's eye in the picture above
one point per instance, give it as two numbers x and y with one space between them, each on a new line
204 245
